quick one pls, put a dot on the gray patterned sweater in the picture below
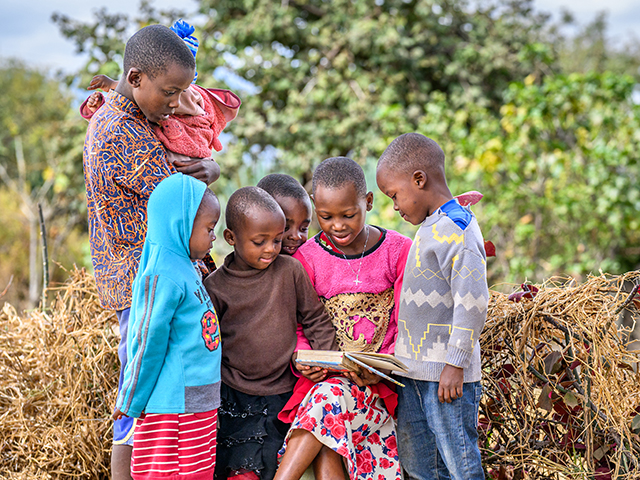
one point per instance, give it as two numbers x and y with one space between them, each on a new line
444 299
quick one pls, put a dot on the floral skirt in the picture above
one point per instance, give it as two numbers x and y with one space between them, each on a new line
353 422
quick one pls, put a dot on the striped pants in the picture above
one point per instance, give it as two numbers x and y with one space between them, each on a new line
172 446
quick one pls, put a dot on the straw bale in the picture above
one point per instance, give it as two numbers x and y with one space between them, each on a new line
562 391
58 378
561 387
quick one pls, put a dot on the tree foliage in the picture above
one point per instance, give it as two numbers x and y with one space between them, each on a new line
555 153
40 164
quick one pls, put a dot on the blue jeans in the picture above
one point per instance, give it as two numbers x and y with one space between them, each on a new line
436 440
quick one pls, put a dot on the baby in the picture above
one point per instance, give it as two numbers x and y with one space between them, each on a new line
193 129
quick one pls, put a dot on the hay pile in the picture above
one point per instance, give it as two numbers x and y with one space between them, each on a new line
58 373
562 392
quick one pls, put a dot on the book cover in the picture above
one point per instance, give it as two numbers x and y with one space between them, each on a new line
352 361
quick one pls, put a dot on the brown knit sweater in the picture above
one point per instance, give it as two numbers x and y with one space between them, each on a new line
258 311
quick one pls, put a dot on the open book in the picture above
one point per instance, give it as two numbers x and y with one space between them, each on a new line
352 362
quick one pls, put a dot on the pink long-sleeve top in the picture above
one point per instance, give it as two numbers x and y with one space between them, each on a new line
364 314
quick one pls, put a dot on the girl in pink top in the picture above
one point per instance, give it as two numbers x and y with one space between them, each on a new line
357 271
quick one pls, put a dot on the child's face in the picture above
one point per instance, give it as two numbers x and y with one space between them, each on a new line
257 240
160 96
202 235
342 214
298 217
407 192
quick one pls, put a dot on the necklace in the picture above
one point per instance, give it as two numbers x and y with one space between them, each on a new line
357 281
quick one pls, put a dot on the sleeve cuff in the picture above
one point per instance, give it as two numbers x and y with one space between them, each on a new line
458 357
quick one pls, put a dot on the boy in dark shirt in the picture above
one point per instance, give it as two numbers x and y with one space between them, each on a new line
260 298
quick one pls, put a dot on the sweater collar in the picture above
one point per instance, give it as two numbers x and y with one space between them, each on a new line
439 212
323 241
253 272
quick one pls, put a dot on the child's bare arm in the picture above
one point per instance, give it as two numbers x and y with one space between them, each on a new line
102 82
451 381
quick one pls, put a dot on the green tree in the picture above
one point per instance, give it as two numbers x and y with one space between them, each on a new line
326 72
559 170
40 165
592 50
346 77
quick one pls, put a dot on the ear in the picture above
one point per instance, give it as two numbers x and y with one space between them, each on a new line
313 200
229 237
369 201
134 76
419 178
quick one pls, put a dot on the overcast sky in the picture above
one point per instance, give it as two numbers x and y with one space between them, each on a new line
28 33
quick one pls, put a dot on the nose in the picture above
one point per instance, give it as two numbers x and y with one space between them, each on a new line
295 235
175 102
396 207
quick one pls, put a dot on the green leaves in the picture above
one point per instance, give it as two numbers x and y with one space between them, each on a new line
556 155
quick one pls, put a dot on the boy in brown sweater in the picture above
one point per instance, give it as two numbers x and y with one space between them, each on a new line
260 298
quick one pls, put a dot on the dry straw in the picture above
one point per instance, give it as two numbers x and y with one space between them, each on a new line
561 389
58 374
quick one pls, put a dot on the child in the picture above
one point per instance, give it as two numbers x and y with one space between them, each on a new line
442 311
123 162
173 374
356 270
295 203
193 128
261 297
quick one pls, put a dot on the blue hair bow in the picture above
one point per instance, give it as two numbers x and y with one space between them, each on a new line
184 31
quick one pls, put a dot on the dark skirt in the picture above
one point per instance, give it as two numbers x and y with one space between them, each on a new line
249 433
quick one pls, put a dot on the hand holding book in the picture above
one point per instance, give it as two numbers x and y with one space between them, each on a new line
363 378
352 362
314 373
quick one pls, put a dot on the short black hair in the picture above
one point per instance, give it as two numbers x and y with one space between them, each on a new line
413 151
336 171
152 49
243 201
208 193
282 185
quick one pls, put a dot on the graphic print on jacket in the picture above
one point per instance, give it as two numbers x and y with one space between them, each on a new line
210 331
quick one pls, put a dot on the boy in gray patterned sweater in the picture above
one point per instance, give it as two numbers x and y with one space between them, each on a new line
443 307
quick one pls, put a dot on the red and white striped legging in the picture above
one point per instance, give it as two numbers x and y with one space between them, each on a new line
166 446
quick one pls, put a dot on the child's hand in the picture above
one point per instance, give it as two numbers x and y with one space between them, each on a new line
117 415
450 387
205 169
315 374
94 101
364 378
102 82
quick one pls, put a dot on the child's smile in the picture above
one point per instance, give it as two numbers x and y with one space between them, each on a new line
341 215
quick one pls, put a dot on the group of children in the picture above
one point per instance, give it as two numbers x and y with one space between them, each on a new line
209 384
